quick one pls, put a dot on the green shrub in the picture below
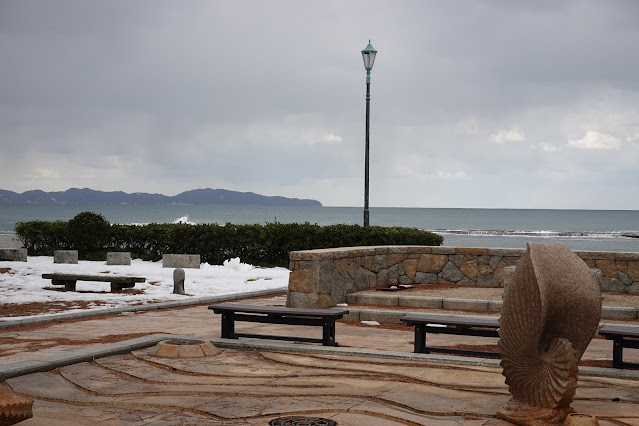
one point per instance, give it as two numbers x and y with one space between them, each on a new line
88 231
42 238
265 245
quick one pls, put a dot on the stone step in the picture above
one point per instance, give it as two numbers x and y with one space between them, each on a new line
407 301
424 302
391 316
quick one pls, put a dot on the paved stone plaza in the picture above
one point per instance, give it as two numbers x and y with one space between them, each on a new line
373 378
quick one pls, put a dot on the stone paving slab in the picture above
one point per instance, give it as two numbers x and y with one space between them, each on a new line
372 378
200 322
352 390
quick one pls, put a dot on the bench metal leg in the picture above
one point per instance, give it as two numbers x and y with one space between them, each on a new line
228 326
68 285
617 352
116 287
420 339
328 333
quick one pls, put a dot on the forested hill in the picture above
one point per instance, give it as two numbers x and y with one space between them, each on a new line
196 196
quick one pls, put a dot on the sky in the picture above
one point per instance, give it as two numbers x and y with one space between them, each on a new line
487 104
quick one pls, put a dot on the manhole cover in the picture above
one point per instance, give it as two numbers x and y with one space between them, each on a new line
302 421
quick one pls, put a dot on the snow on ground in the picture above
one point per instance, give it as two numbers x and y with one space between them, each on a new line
23 282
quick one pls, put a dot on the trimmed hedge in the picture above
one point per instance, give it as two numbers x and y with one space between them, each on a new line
265 245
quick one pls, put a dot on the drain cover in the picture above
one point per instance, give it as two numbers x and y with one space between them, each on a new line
302 421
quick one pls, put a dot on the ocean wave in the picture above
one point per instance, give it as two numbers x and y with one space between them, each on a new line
537 234
185 220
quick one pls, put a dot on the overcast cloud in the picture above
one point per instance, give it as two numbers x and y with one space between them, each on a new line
515 104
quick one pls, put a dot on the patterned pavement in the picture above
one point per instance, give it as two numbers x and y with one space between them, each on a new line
253 387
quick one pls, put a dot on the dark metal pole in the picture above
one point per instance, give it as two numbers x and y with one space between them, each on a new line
368 109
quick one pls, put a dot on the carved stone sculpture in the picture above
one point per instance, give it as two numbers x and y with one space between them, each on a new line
550 313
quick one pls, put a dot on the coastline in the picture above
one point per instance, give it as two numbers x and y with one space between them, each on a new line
584 230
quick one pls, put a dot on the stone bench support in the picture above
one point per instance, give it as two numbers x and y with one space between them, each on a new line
118 258
13 254
322 278
65 256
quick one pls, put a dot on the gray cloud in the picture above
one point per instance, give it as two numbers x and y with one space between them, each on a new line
474 104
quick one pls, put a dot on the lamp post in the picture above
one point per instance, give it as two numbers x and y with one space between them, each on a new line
368 54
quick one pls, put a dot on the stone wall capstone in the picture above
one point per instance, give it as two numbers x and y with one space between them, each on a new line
322 278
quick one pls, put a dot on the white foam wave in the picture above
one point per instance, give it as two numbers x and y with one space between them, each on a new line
184 219
537 234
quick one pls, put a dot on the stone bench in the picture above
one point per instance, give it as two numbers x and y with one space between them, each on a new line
324 318
450 324
13 254
118 282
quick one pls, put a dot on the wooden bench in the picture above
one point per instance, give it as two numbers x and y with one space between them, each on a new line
449 324
232 312
118 282
622 337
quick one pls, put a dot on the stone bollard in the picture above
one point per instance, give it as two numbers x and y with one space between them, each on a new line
65 256
118 258
178 281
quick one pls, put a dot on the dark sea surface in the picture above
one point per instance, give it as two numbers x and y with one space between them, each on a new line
596 230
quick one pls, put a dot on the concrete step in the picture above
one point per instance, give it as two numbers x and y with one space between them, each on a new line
424 302
389 316
408 301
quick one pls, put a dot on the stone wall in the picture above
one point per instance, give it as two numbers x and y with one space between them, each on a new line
323 278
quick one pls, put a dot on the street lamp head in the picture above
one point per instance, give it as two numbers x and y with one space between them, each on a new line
368 54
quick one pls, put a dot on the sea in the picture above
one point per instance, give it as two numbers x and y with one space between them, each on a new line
590 230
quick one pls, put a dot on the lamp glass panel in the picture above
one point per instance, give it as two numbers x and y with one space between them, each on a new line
366 59
371 58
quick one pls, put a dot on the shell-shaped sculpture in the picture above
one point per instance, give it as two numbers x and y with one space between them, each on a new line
551 310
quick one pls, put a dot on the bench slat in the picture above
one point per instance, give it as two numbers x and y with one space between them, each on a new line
278 310
278 319
464 321
615 330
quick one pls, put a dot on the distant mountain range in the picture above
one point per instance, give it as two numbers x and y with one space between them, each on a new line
196 196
